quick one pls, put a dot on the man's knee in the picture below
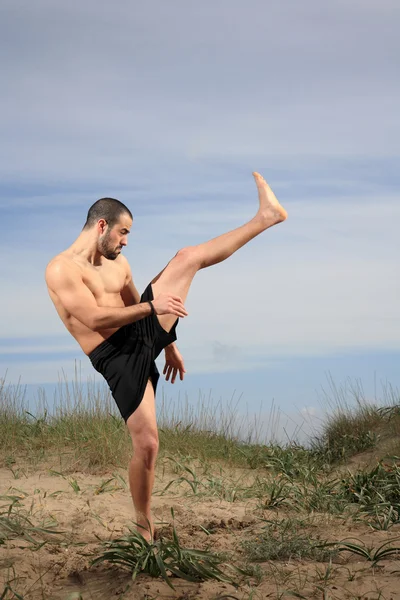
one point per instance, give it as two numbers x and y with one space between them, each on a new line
191 256
145 446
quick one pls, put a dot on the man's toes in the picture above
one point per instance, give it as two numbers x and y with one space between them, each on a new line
259 177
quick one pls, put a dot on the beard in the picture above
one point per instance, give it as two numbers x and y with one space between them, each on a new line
107 249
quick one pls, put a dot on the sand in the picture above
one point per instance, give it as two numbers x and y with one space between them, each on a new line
61 570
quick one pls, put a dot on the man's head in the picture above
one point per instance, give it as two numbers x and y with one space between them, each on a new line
112 221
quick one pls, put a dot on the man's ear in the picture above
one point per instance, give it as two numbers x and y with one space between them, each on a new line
101 225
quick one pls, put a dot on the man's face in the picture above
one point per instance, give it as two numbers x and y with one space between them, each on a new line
112 241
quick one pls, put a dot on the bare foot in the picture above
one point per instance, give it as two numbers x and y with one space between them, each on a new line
270 210
145 531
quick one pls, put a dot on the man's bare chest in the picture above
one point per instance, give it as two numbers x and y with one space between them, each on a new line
106 280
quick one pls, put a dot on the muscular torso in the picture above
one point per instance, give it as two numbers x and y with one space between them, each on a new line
106 282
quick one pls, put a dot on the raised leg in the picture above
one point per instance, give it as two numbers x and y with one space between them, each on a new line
177 276
142 427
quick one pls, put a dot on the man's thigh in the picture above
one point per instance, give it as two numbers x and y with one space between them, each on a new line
142 424
176 279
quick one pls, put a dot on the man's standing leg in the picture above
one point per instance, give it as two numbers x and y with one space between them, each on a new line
142 426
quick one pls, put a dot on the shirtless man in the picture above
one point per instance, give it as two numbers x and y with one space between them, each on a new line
122 332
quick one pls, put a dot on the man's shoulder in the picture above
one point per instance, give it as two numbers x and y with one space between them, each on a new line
123 261
60 260
60 263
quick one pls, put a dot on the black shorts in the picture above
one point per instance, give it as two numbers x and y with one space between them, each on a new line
126 358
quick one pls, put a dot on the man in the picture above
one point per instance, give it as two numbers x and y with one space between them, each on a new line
122 332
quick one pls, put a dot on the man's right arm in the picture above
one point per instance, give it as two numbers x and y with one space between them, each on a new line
66 281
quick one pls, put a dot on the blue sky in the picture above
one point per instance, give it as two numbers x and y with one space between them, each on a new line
170 107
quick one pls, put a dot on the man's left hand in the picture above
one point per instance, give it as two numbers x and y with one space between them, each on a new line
173 363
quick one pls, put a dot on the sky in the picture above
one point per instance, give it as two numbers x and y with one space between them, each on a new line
170 107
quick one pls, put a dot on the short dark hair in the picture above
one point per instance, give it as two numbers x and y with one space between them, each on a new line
108 209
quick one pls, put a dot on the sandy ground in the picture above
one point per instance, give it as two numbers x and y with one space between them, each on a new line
60 569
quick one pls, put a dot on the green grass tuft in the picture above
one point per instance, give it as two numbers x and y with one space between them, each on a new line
162 558
282 540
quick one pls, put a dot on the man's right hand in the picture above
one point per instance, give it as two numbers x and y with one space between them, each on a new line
169 304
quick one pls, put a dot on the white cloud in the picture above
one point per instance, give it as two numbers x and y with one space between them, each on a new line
48 371
309 411
133 93
38 349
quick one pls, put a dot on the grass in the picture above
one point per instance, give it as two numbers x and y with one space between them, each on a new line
285 539
376 492
9 592
209 452
353 424
162 558
85 431
16 522
82 428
